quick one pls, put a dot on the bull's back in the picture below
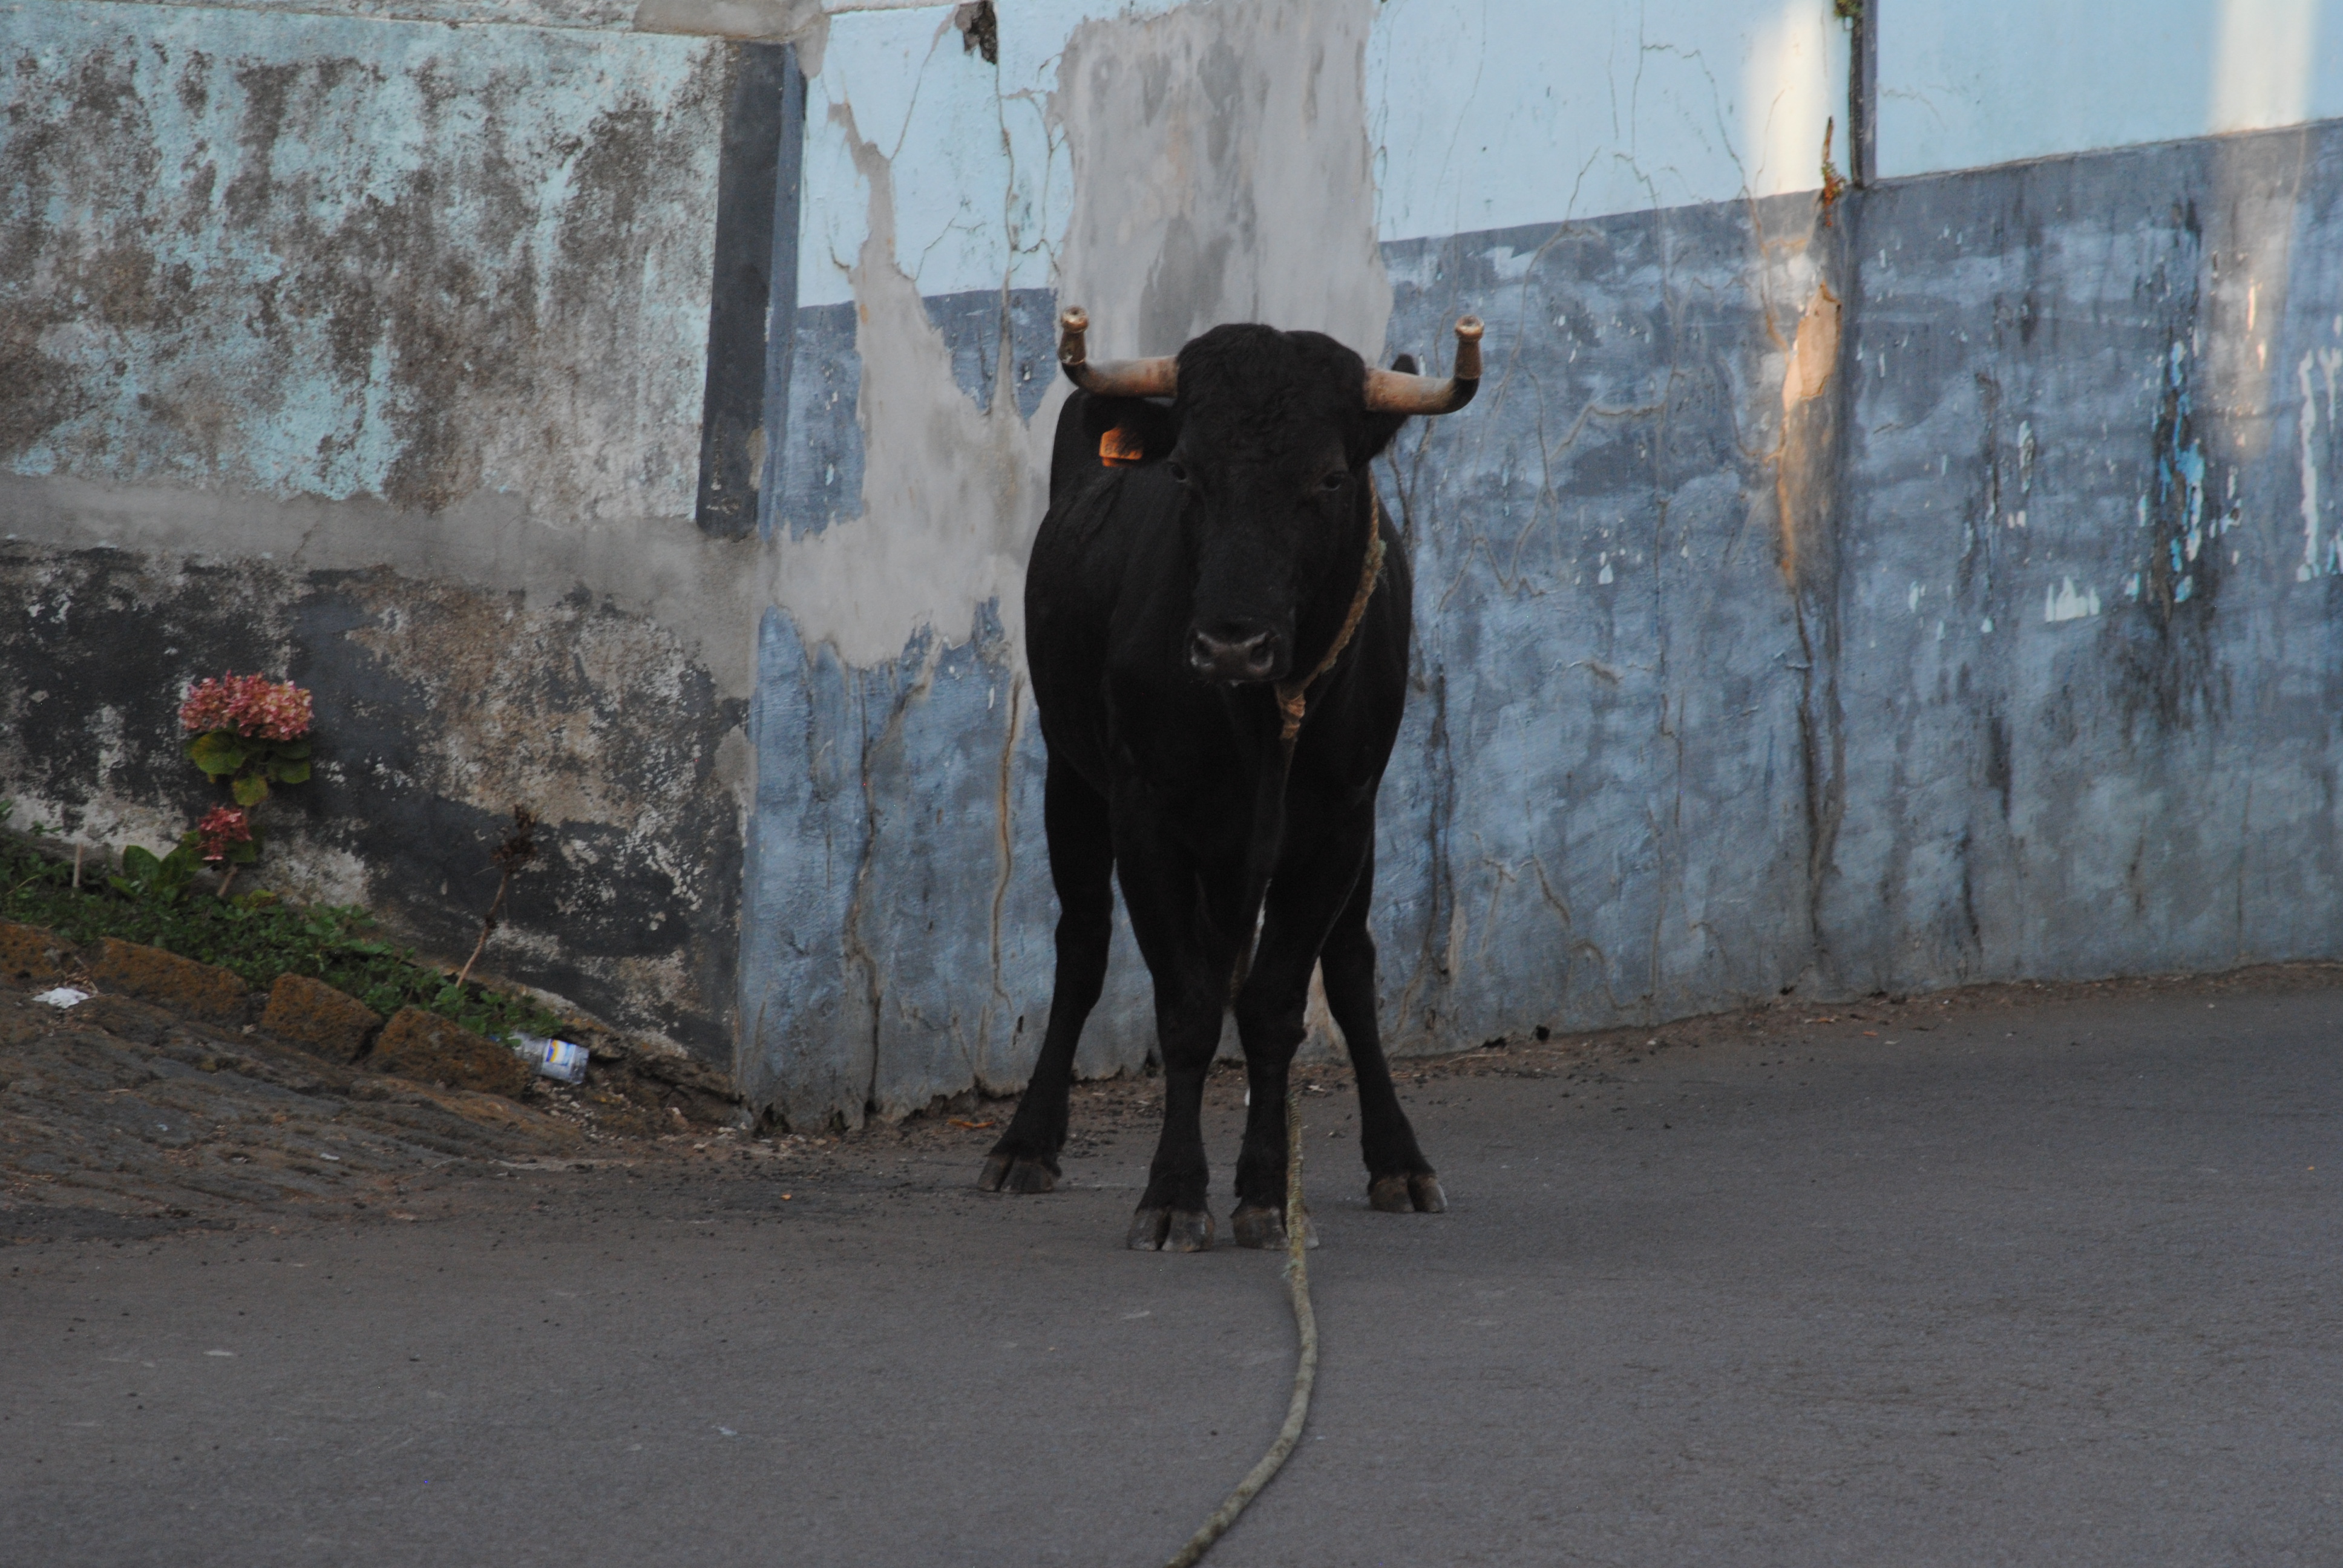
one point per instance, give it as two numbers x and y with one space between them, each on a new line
1101 558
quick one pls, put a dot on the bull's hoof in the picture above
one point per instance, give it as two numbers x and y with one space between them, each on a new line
1170 1231
1257 1226
1007 1173
1417 1193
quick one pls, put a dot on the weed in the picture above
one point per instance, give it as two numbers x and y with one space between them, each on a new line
255 935
518 848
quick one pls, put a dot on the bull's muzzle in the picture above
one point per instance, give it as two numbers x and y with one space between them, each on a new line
1235 655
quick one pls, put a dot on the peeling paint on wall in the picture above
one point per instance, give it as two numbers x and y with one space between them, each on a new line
371 352
1728 676
951 493
925 931
438 708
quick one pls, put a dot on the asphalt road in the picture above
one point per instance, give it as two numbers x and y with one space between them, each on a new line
2047 1283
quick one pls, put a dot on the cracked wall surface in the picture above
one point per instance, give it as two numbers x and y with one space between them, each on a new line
1998 80
1934 587
1209 163
1683 734
2090 598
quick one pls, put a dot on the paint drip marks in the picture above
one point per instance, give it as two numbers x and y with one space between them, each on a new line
2165 664
2322 545
2180 570
2065 602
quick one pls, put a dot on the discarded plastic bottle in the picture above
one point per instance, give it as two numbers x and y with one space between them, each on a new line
556 1059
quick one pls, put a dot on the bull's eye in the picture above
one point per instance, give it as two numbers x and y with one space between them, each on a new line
1333 481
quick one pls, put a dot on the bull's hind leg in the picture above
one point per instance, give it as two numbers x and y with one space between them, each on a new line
1399 1178
1082 865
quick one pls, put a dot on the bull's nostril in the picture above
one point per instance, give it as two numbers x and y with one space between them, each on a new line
1232 657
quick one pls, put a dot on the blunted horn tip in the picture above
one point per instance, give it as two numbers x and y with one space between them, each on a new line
1073 322
1468 347
1392 392
1158 377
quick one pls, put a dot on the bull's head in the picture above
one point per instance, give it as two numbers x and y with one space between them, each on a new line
1270 436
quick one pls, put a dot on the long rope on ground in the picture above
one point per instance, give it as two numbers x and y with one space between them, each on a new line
1268 827
1305 1364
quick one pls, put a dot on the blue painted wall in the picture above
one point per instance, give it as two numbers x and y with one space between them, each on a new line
2033 679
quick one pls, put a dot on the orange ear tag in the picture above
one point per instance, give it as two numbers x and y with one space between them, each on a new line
1121 445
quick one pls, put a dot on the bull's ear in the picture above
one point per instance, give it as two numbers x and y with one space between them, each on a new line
1382 428
1139 429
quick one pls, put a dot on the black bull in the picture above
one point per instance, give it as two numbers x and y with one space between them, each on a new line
1205 577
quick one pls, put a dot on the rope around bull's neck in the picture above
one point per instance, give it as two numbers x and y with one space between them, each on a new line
1293 703
1294 696
1306 1365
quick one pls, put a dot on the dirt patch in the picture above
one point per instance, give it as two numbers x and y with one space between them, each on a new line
121 1119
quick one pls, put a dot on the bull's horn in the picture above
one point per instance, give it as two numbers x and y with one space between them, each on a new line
1391 392
1111 378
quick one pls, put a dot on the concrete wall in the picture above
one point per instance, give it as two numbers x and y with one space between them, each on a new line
371 353
1927 588
1170 168
1994 81
1683 733
2090 612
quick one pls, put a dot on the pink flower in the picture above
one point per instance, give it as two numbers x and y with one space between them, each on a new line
250 705
221 828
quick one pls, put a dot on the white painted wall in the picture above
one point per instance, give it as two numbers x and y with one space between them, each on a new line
1993 81
982 191
1488 114
1485 114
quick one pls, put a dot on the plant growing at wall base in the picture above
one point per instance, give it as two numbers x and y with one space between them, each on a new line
159 878
518 848
248 731
257 935
225 837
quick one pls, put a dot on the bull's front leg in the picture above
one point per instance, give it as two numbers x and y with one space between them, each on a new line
1270 1021
1174 1213
1311 887
1191 975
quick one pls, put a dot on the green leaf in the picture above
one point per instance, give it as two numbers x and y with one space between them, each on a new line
294 773
124 885
216 752
296 751
140 864
243 854
249 789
